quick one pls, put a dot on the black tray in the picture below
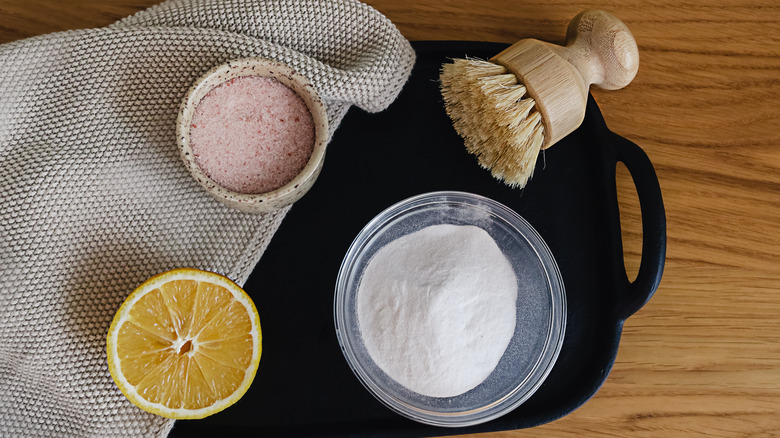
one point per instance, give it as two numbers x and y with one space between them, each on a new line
304 386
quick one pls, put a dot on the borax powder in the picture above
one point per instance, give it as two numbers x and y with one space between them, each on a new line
252 134
437 308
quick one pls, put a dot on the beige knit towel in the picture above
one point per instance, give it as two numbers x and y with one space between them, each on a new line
94 198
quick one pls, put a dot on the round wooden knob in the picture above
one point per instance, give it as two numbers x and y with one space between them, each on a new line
603 49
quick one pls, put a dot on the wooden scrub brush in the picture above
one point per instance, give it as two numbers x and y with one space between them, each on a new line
533 94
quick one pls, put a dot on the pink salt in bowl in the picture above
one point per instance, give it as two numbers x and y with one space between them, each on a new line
253 133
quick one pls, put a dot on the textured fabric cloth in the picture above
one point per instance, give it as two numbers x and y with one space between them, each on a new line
94 198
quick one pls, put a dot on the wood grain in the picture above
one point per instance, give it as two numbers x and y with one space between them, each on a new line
702 358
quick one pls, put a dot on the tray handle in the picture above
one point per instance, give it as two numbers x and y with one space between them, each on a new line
637 293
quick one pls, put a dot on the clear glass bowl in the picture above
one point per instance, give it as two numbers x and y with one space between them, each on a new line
541 309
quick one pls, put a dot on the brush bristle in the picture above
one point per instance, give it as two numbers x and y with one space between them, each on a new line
495 117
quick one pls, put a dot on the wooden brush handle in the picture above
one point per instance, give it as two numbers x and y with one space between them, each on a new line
600 50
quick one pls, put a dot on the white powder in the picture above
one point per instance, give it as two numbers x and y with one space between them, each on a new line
437 308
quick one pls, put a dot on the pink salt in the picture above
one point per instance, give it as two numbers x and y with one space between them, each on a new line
252 134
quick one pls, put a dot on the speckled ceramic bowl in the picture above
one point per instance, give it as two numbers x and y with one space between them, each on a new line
300 184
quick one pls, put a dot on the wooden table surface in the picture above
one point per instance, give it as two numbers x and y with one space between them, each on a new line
703 356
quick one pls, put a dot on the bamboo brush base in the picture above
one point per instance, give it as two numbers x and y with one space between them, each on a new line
554 83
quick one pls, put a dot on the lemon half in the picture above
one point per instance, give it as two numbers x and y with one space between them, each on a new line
185 344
